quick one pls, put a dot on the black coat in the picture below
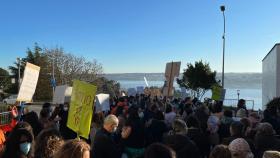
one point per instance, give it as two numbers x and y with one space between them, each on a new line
104 146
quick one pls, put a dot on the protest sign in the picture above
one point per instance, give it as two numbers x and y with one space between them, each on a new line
68 94
172 70
29 82
81 108
102 102
218 93
59 94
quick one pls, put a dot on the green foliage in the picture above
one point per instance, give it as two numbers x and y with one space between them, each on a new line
107 86
5 79
198 78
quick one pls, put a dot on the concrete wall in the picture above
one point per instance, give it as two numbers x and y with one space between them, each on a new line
271 75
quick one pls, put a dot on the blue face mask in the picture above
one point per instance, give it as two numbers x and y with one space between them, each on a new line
25 147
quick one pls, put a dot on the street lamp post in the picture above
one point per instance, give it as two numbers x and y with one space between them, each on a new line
223 71
18 60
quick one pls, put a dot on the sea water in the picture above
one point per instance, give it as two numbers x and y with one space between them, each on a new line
253 95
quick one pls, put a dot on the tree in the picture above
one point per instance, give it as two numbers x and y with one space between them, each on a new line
198 78
5 79
68 67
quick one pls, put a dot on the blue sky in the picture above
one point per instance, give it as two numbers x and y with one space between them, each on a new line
142 35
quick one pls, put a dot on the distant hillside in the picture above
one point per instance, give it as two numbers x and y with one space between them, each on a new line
232 80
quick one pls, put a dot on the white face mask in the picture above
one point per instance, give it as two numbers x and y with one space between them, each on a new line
141 114
114 130
65 108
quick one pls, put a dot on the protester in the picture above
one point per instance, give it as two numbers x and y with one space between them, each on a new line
239 148
158 150
169 116
156 127
74 149
195 134
18 144
47 143
133 134
104 145
214 122
182 145
220 151
265 139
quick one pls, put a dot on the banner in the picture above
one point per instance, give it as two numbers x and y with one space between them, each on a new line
81 108
59 94
29 83
102 103
218 93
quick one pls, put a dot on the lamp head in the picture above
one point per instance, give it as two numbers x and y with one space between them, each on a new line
223 8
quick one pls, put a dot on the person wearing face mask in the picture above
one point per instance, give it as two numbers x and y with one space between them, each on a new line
19 144
104 146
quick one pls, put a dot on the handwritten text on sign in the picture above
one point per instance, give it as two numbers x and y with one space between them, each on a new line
81 108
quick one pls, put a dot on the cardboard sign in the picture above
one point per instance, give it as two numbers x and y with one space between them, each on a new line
59 94
29 82
81 108
102 102
172 70
218 93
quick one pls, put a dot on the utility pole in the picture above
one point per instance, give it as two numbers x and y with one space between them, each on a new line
18 60
224 36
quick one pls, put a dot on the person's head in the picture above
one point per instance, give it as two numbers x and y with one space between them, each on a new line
160 151
239 148
48 142
19 143
220 151
271 154
179 127
228 113
74 149
241 103
45 113
236 128
217 107
33 119
192 121
25 125
265 129
111 123
254 119
47 106
133 112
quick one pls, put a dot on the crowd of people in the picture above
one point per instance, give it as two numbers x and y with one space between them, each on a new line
142 126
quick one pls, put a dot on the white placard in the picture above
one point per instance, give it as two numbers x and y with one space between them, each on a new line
29 82
102 102
68 94
59 94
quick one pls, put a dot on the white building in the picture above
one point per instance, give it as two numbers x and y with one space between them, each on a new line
271 75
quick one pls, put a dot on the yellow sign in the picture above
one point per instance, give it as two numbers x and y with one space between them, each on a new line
81 108
218 93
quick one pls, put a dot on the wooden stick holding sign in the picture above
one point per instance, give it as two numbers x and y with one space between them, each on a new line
81 108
